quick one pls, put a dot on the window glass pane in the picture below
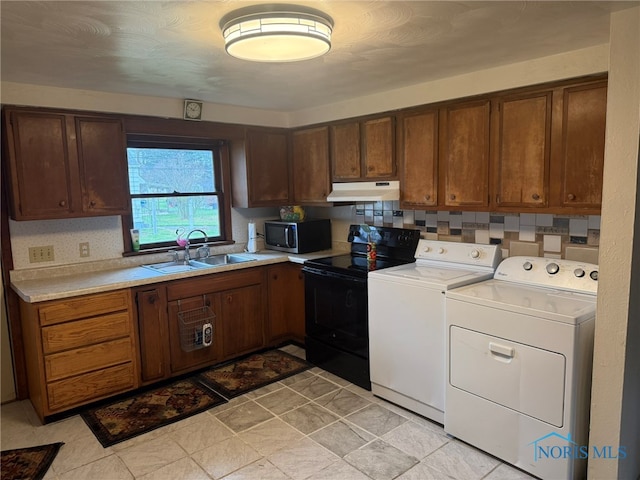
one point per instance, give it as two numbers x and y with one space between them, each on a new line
162 170
158 218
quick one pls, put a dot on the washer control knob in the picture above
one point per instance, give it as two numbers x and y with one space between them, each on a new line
440 250
594 275
578 272
552 268
527 266
474 253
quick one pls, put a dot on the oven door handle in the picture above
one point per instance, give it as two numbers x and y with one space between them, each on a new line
316 271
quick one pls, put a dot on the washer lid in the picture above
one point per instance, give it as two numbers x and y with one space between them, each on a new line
432 277
548 303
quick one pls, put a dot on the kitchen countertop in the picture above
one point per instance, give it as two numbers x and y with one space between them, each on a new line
54 283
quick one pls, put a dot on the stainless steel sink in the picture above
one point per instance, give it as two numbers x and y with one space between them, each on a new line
224 259
175 267
209 262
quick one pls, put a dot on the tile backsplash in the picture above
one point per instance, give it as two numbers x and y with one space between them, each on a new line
518 234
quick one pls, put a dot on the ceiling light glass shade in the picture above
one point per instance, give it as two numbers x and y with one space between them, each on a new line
277 36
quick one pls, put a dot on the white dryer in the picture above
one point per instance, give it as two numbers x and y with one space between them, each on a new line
519 357
407 334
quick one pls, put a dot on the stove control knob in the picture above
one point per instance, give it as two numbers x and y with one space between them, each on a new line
441 250
527 266
594 275
553 268
427 249
578 272
474 253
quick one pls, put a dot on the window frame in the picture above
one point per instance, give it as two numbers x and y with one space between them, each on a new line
222 185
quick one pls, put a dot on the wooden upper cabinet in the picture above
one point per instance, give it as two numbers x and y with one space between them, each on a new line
379 148
260 169
464 155
42 180
63 165
579 147
310 165
103 167
345 151
363 150
521 131
418 138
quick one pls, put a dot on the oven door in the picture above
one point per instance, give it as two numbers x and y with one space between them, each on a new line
336 310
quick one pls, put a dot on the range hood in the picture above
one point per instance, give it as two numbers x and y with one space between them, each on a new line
365 191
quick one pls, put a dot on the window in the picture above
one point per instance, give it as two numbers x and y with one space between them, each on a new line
175 187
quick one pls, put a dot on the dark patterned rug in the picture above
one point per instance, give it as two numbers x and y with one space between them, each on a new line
128 418
252 372
28 463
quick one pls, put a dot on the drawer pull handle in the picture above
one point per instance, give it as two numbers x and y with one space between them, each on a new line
501 350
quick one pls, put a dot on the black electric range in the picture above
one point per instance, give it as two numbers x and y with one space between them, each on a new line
336 310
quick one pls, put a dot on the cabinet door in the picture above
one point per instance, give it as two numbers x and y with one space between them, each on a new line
286 303
379 148
185 332
102 159
582 146
419 160
154 334
311 181
242 322
522 134
39 163
464 155
345 151
268 168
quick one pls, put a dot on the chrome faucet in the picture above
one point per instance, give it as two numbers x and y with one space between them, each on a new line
187 257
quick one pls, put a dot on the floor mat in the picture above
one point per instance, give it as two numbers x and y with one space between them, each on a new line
252 372
143 412
28 463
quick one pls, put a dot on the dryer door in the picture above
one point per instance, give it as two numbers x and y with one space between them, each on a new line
526 379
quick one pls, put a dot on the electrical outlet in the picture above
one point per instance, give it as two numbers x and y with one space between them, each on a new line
84 249
41 254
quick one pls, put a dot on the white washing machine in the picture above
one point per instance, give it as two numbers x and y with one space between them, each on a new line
407 334
519 356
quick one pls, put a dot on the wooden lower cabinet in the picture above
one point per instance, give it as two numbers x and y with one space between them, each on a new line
153 333
79 350
241 320
187 317
285 284
236 299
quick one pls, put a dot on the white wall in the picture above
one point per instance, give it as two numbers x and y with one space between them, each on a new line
615 410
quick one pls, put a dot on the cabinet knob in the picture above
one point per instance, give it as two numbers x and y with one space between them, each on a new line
452 196
571 196
92 203
275 276
62 203
427 197
535 196
229 298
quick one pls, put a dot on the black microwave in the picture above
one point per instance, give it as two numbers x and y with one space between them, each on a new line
298 237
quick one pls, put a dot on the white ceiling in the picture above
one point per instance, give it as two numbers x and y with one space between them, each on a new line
175 49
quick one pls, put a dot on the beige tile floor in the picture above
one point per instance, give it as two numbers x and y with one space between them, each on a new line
312 426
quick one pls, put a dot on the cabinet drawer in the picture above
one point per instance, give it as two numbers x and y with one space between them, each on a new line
90 386
85 332
81 360
89 306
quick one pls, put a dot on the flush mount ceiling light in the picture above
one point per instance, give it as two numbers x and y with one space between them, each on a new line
276 33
